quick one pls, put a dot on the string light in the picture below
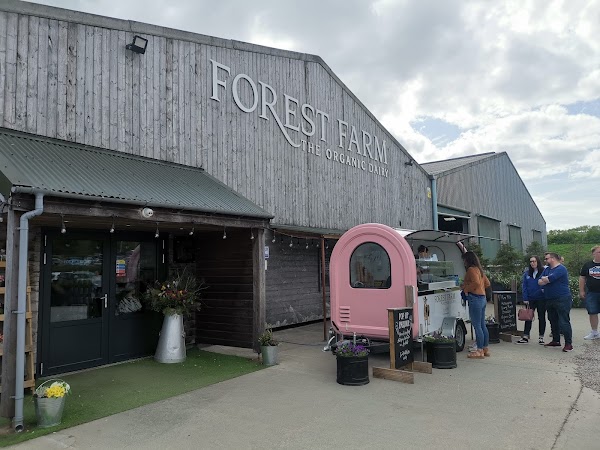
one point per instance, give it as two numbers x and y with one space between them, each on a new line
224 233
291 244
63 228
191 233
157 234
112 227
251 234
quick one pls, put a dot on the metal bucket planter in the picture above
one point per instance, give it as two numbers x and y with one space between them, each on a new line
494 332
171 341
441 355
353 370
269 354
48 411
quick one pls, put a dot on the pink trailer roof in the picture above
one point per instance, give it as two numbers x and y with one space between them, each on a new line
364 309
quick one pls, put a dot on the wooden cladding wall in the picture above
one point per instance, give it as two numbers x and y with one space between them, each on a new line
77 82
225 265
293 282
493 188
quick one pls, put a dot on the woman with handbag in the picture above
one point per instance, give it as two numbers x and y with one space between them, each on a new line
533 298
474 286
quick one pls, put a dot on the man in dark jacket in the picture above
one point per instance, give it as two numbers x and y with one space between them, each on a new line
555 281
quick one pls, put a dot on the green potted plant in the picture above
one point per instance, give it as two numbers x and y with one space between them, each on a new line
352 364
268 347
49 402
493 328
175 298
441 350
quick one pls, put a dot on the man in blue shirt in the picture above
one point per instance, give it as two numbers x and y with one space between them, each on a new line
555 281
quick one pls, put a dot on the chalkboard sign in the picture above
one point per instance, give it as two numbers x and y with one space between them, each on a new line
505 307
401 321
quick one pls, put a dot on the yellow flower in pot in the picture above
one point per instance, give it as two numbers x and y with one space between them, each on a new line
49 401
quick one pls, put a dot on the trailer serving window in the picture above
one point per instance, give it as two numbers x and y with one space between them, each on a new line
370 267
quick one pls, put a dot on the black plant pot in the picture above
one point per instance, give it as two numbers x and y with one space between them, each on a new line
441 355
494 331
353 371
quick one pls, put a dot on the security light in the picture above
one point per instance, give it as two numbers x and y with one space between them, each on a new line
138 45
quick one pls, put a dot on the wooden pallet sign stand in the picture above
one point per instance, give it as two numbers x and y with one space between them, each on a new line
402 363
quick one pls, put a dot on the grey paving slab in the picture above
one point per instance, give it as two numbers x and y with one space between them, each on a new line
522 397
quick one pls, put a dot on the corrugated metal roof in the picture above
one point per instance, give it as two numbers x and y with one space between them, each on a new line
437 167
61 168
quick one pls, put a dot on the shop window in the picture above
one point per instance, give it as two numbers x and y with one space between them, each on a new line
514 238
489 228
370 267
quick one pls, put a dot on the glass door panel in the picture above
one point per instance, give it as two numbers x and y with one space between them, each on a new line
76 283
133 327
74 300
135 270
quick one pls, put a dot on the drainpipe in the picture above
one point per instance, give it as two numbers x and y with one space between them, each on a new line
21 307
434 202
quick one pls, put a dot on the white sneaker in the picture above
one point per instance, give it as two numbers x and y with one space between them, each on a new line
593 335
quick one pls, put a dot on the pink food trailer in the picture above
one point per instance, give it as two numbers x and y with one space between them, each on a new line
374 267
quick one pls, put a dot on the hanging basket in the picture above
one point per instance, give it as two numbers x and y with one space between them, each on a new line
48 411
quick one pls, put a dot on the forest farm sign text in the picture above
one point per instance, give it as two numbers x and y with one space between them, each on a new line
361 150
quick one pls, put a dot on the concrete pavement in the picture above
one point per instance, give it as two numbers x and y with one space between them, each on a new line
525 397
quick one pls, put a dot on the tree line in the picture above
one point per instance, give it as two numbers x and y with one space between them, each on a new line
583 234
507 268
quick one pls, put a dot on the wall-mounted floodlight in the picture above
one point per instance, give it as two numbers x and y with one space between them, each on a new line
138 45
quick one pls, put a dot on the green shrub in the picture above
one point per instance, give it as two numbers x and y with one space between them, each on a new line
535 248
509 262
574 287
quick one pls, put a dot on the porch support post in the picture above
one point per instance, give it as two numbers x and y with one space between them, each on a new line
9 357
323 288
260 297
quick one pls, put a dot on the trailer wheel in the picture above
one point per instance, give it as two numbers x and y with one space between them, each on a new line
459 335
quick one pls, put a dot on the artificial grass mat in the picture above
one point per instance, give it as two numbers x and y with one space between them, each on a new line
109 390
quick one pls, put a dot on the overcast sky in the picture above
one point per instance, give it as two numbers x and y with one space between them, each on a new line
447 78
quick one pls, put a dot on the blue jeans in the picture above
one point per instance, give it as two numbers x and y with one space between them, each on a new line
477 313
540 309
559 310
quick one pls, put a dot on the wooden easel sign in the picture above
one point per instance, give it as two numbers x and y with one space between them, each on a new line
402 361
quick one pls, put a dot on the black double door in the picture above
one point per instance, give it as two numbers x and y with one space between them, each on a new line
91 299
